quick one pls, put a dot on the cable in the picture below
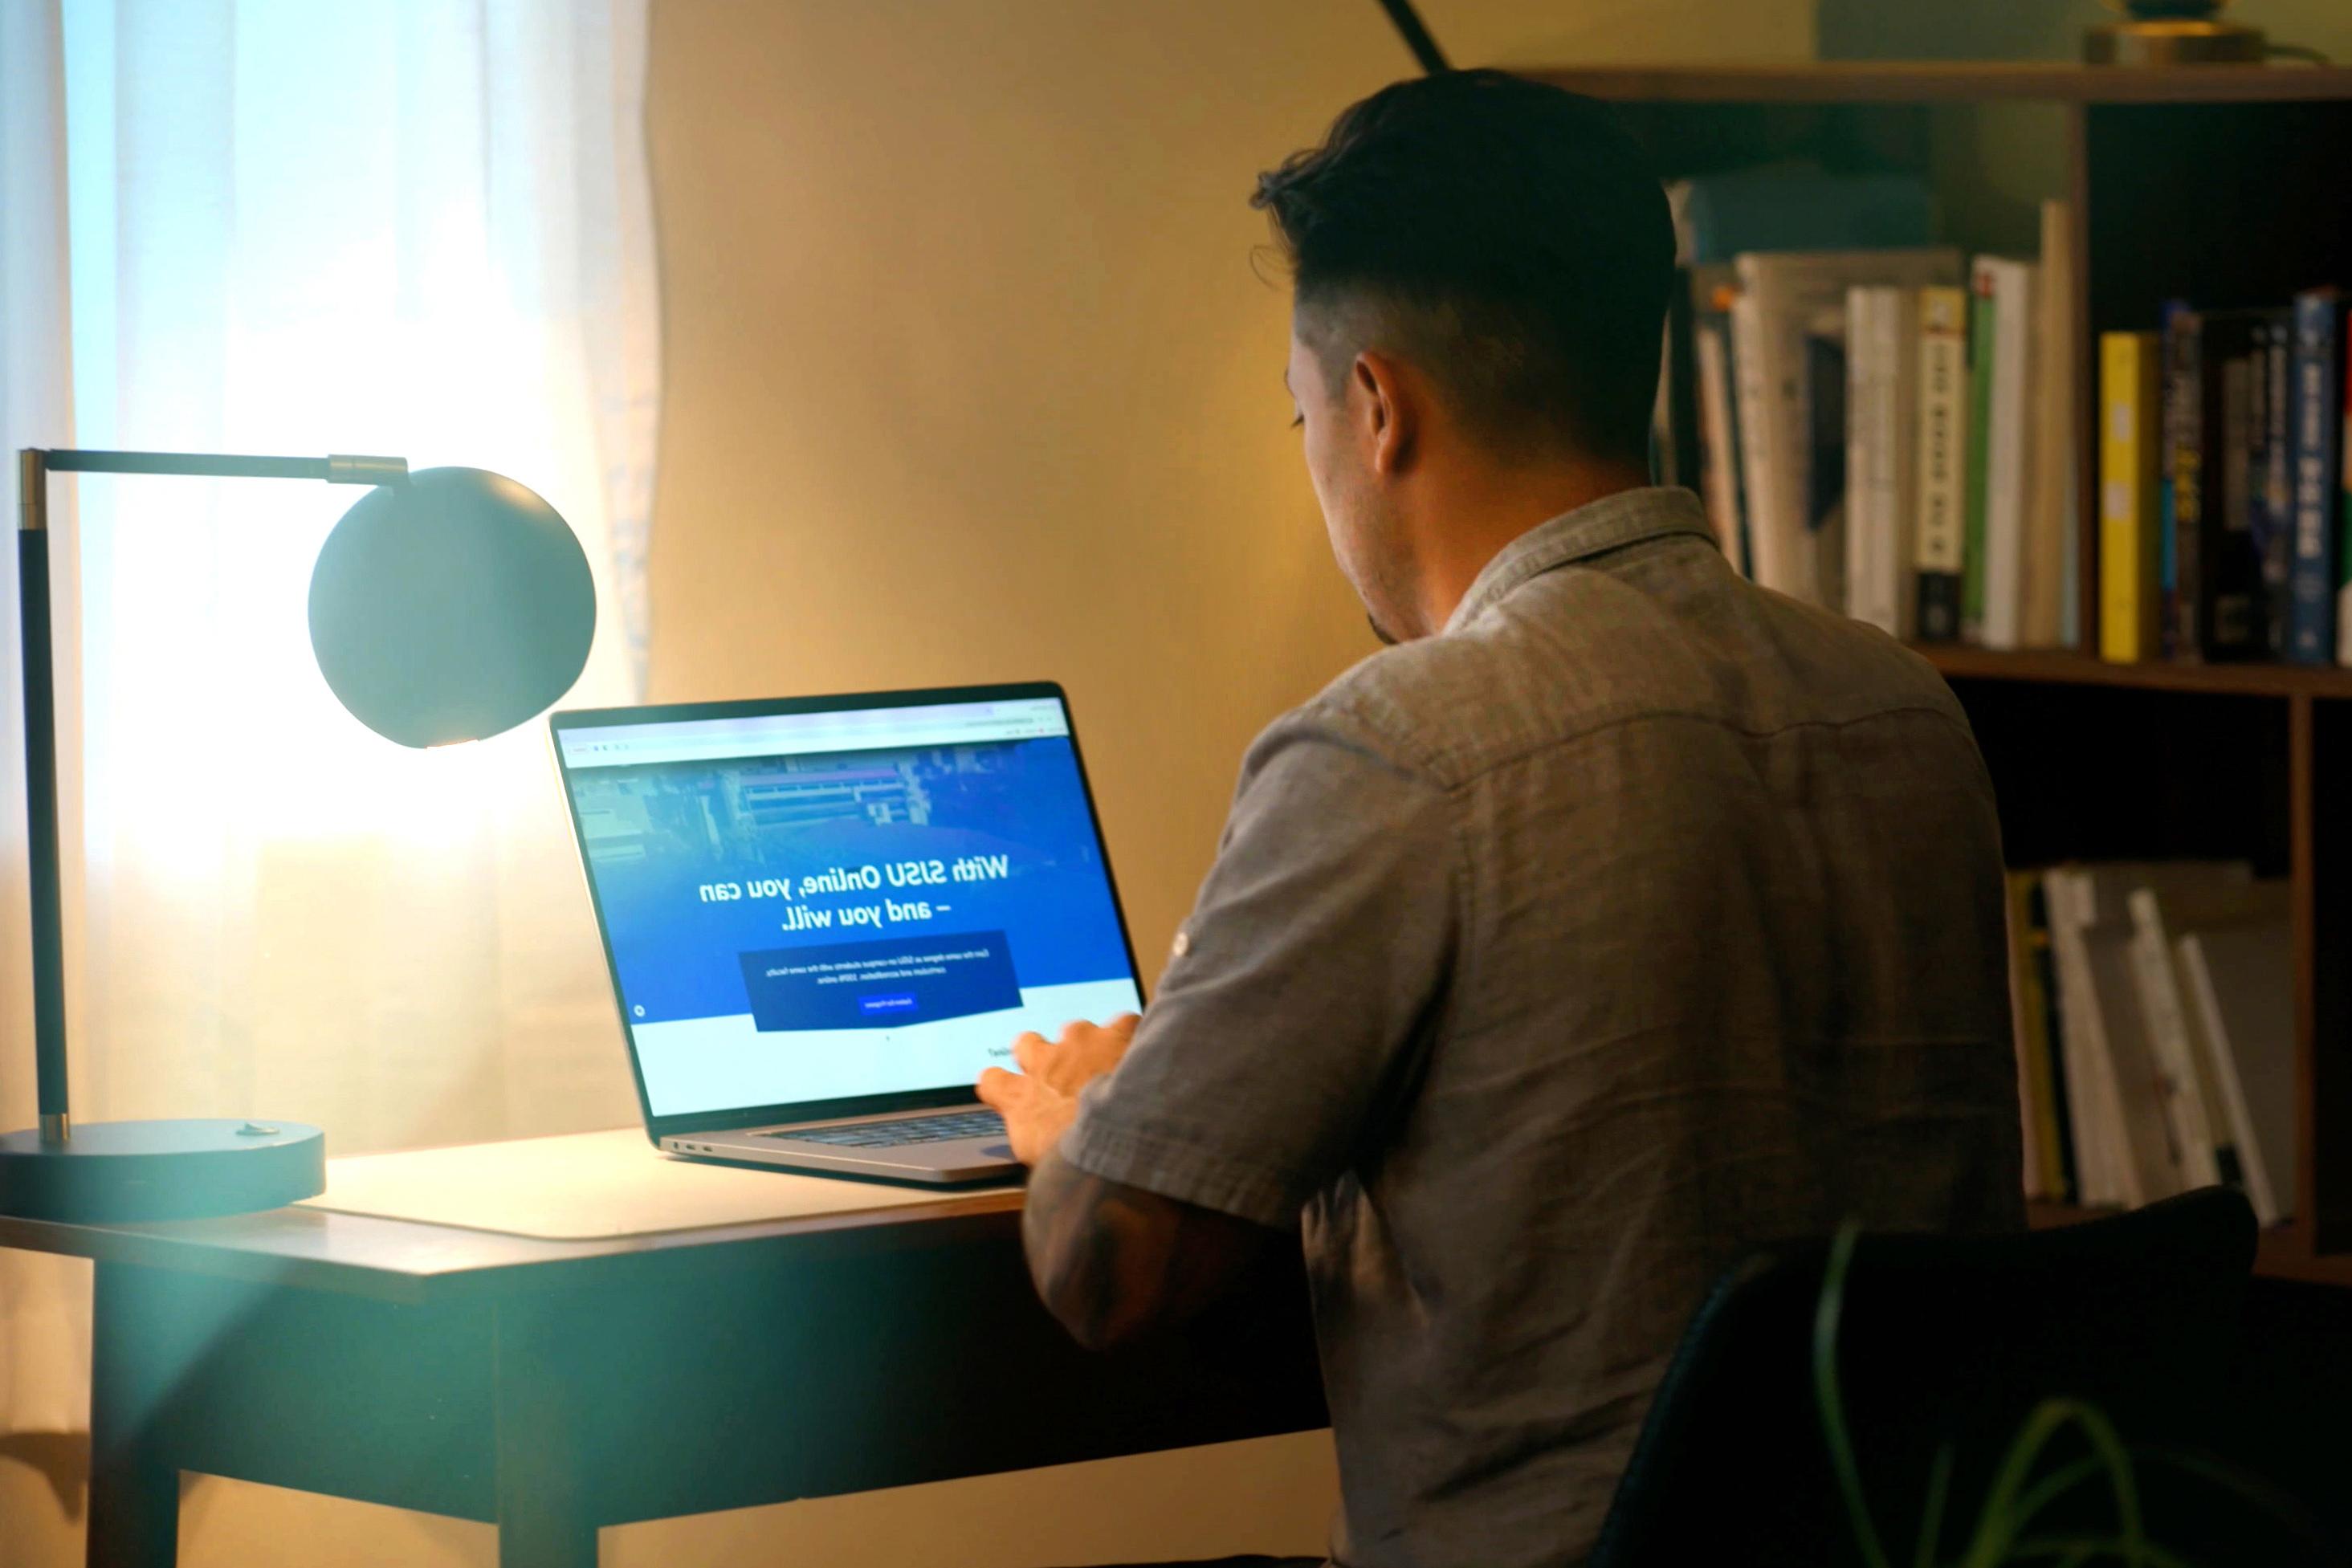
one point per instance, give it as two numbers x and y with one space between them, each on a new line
1416 36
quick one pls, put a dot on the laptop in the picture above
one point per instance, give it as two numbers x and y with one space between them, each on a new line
825 915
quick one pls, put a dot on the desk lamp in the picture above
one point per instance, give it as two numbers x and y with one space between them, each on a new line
447 605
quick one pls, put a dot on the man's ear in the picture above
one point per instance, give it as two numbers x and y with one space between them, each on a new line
1387 408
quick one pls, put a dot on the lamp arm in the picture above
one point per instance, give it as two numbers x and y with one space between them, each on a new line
333 470
34 466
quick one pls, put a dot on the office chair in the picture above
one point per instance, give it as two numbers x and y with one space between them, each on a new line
1948 1338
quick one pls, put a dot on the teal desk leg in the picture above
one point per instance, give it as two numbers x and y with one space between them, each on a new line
134 1490
546 1519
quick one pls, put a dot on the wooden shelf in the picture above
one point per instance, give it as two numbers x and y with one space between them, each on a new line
1957 661
2281 1252
1939 81
2213 184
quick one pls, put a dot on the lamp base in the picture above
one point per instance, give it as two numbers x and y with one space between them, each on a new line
2174 42
118 1172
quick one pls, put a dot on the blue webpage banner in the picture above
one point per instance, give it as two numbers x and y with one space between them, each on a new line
880 985
914 849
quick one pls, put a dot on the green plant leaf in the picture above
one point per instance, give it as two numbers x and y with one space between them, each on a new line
1931 1515
2004 1517
1831 1402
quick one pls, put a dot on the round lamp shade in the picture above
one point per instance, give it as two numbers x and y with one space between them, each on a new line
450 607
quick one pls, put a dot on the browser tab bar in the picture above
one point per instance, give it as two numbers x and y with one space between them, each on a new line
785 735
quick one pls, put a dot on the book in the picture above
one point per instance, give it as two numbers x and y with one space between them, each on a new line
2046 1175
1719 472
1714 287
2007 405
2020 1039
2128 414
1942 460
1824 512
2178 480
2240 983
1784 298
2273 466
2163 899
1882 432
2187 1137
2104 1175
2047 590
2314 435
1768 563
2227 603
2044 961
2121 1133
1982 308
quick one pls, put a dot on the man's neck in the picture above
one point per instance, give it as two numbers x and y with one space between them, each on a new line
1477 518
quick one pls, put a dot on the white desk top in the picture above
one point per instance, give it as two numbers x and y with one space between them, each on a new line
594 1186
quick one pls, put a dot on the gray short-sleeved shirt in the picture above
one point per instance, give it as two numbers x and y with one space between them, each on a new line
1547 966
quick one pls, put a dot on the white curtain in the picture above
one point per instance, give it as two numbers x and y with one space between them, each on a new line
412 228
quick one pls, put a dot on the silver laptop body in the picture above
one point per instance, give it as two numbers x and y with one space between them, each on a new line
825 917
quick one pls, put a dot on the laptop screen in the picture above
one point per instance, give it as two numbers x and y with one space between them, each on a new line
827 908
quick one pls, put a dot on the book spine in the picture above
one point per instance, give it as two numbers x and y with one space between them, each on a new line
2060 1130
2229 571
2127 507
1943 448
1721 464
2344 507
1861 535
1899 502
2275 480
2021 1039
1766 383
2049 599
2008 454
1982 325
2187 1132
1822 416
2313 418
2183 479
2045 1177
1874 438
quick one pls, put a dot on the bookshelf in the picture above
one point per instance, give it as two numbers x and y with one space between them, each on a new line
2223 185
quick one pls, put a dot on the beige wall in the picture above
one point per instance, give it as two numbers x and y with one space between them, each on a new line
969 378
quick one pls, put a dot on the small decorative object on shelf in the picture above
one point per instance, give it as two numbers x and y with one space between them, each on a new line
2172 33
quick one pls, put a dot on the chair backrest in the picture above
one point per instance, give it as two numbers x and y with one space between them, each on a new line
1942 1339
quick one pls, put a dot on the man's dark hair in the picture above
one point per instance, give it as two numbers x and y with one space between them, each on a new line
1510 238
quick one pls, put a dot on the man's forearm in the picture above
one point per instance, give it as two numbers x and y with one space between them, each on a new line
1114 1261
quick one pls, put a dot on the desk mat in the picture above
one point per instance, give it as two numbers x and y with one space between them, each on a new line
590 1187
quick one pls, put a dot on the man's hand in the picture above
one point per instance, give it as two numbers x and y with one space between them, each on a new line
1040 1102
1111 1261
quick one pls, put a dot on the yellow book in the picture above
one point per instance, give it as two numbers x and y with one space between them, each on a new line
2128 414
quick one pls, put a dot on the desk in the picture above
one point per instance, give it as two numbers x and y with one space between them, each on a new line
552 1387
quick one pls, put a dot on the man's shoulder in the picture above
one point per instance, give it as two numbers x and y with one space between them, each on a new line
1582 652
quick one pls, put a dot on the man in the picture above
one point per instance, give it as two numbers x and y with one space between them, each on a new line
1619 918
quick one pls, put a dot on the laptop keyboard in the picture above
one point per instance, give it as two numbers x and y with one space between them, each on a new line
897 1134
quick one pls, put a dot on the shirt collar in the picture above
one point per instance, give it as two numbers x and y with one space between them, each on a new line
1612 522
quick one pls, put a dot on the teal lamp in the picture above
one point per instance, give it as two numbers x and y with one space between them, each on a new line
449 605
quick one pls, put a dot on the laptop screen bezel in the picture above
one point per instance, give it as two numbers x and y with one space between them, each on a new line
658 1127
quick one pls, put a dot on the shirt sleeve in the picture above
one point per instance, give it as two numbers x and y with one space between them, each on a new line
1319 947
